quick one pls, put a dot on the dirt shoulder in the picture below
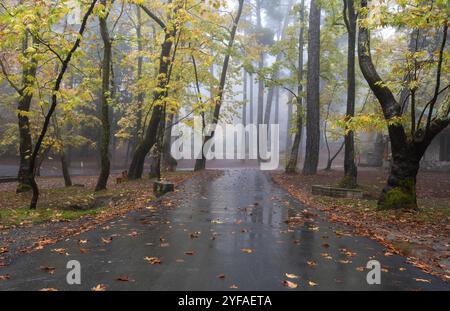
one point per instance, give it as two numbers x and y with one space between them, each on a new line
423 237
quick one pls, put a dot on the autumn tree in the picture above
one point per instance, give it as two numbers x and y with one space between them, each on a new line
409 137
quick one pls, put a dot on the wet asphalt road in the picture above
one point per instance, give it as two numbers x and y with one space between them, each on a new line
206 230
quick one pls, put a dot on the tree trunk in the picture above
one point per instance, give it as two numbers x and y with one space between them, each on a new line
65 169
169 163
25 141
105 98
54 102
291 168
400 191
277 105
313 96
350 169
200 164
140 96
143 148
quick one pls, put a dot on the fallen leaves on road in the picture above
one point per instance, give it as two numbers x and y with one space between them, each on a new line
4 277
247 250
48 289
422 280
290 284
291 276
3 249
99 288
49 270
234 286
312 284
123 278
153 260
107 240
61 251
221 276
311 263
189 253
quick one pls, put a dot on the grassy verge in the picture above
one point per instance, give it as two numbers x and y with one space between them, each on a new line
68 203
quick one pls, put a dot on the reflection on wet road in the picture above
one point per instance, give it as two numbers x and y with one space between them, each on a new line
221 234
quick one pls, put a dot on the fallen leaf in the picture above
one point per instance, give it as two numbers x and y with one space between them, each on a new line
221 276
311 263
290 284
82 241
311 283
99 288
4 277
291 276
234 286
61 251
107 240
48 289
153 260
49 270
123 278
247 250
3 250
84 250
422 280
189 253
360 269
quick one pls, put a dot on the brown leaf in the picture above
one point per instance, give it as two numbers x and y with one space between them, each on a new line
312 284
107 240
290 284
123 278
4 277
48 289
84 250
49 270
311 263
99 288
221 276
234 286
291 276
189 253
61 251
153 260
422 280
247 250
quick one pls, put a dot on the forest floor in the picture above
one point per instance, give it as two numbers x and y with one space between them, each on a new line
65 211
423 236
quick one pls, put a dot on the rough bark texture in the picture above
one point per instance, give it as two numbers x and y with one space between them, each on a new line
143 148
350 169
105 164
140 96
313 96
65 169
23 107
169 163
293 159
200 164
